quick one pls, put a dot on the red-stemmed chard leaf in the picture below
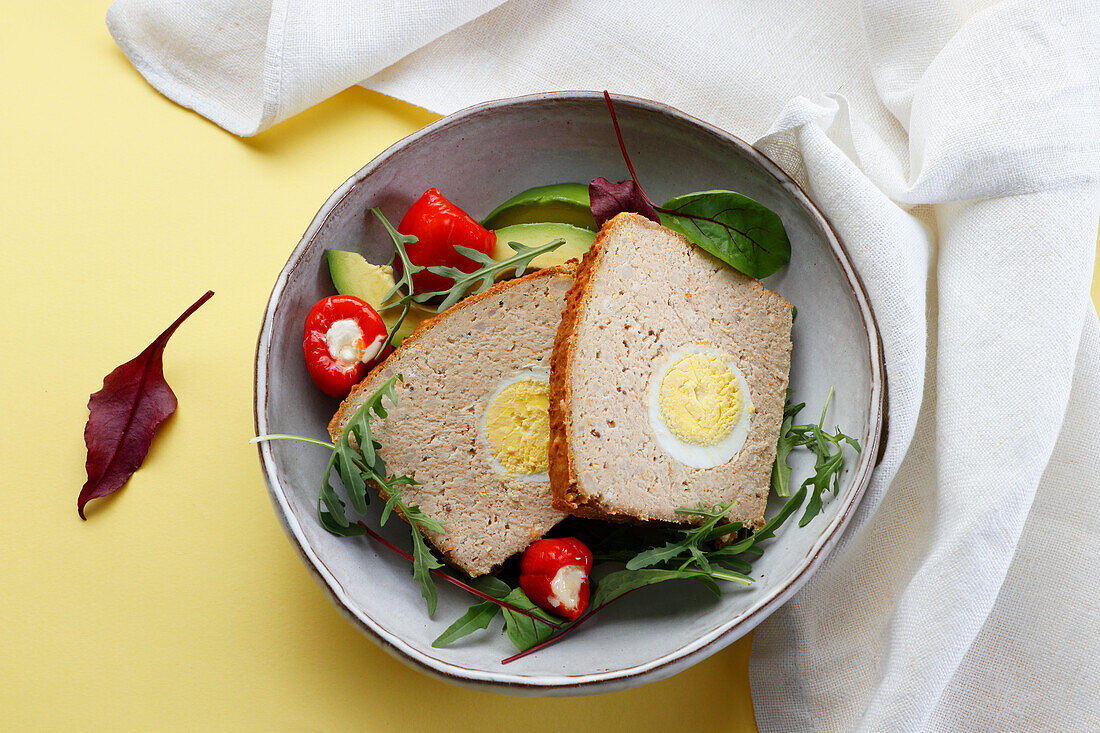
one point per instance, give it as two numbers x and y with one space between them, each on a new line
609 198
124 414
741 232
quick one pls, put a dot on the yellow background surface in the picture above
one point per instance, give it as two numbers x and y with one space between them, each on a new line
180 604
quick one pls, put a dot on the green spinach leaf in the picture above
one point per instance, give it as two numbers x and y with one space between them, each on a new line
523 630
734 228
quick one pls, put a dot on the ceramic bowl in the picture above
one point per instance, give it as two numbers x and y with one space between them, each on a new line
479 157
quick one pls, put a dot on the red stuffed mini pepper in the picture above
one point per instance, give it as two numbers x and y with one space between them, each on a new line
438 226
343 336
554 575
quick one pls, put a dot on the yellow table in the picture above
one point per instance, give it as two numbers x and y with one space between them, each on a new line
180 604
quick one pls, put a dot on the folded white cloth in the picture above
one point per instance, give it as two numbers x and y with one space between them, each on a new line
956 148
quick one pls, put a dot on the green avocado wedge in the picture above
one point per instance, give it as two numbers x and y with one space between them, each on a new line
577 242
352 275
565 203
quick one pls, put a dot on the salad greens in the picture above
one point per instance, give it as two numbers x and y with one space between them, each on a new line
407 268
741 232
827 448
609 198
355 454
737 230
709 552
480 280
359 462
734 228
465 283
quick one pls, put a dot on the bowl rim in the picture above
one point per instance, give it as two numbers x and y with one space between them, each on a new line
700 647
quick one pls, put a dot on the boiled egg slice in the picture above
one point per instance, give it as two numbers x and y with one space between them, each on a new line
700 406
516 425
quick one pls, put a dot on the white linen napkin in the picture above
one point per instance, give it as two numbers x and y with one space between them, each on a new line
956 148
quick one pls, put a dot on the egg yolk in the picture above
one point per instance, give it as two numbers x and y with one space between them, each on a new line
517 425
700 399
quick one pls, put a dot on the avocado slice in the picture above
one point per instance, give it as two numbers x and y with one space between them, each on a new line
352 275
577 242
566 203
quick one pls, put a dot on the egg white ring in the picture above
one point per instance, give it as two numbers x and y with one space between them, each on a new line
535 374
698 456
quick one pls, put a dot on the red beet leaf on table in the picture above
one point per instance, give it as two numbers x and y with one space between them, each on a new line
125 413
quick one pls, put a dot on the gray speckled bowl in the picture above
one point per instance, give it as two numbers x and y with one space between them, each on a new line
479 157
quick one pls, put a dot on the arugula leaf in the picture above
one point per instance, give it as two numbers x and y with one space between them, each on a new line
391 503
355 463
415 515
408 269
480 280
781 472
670 551
730 561
465 283
739 231
687 545
358 462
423 563
388 487
330 522
523 630
828 464
691 557
618 584
478 617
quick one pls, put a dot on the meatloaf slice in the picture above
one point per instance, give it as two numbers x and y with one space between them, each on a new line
642 294
451 366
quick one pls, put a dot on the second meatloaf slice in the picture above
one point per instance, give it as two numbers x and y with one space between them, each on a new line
643 298
452 367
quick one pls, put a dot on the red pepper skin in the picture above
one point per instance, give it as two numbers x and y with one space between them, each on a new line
439 225
334 376
542 561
